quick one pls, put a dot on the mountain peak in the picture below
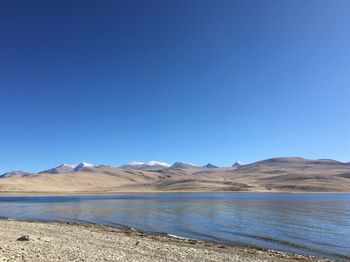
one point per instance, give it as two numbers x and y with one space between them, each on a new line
15 173
135 163
182 165
209 165
151 165
67 168
83 165
154 163
69 165
237 164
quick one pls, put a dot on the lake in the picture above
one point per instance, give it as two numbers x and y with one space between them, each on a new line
308 224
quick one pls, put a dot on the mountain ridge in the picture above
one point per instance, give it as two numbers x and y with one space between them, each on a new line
283 174
151 165
15 173
66 168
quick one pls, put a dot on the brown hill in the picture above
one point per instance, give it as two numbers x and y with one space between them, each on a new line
276 174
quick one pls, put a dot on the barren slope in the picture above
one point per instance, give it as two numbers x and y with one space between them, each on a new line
277 174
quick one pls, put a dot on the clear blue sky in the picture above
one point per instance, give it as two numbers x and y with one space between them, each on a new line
110 82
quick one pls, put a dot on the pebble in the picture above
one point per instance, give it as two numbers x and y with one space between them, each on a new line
23 238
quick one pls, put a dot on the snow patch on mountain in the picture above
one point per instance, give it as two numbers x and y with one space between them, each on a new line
83 165
69 165
150 163
136 163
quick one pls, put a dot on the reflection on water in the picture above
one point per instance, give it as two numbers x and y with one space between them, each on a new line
311 224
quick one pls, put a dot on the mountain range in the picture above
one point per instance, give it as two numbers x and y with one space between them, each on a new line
151 165
284 174
67 168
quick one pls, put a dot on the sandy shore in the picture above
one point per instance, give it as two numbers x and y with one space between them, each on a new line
72 242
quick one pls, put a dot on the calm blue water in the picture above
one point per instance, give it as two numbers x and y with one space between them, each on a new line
310 224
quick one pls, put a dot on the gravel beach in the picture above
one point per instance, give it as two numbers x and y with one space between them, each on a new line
75 242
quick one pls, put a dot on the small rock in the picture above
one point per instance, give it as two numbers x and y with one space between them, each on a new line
23 238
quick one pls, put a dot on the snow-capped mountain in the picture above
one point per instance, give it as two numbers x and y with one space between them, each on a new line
62 169
67 168
237 164
82 166
151 165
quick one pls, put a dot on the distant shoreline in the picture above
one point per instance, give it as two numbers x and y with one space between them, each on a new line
18 193
49 241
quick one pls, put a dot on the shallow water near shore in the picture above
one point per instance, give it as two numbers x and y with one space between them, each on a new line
308 224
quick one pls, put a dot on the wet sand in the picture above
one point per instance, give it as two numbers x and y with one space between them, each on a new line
76 242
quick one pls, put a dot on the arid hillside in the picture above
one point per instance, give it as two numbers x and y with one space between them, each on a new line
272 175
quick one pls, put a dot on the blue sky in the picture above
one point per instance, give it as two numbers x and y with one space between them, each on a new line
110 82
